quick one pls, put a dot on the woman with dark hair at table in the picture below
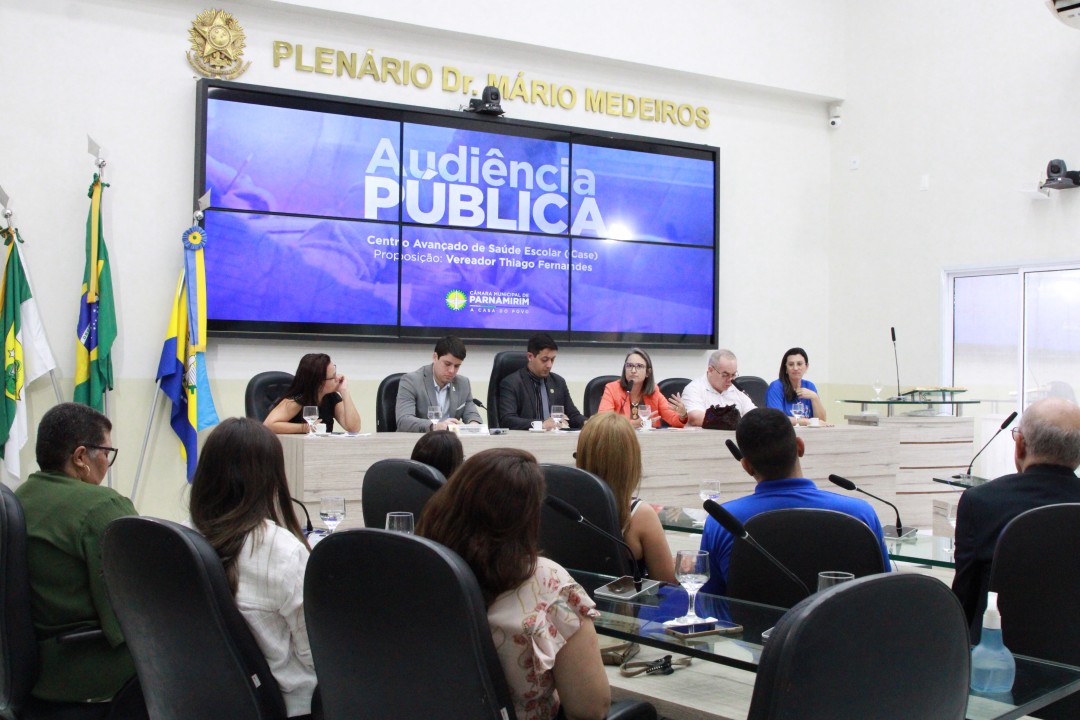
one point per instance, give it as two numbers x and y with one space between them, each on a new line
792 389
441 449
608 448
240 502
317 383
541 619
637 388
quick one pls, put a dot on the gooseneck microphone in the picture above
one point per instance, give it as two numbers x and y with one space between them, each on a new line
967 475
731 523
308 528
896 358
897 531
572 513
735 452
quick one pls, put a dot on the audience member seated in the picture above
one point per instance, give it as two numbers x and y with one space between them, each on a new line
771 453
541 619
714 389
67 510
608 448
437 385
638 387
791 389
240 502
441 449
531 392
1047 454
316 383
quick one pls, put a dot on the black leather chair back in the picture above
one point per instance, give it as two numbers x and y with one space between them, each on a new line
193 651
386 403
807 542
505 362
574 545
1037 579
670 386
263 391
753 386
399 629
388 487
18 646
892 645
594 393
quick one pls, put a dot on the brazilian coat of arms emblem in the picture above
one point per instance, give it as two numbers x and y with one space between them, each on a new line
217 45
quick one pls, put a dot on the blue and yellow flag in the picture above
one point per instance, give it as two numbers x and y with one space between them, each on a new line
97 315
182 368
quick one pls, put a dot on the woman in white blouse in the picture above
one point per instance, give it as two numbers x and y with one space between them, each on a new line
240 502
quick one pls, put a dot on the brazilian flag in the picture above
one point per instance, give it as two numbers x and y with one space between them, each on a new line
97 315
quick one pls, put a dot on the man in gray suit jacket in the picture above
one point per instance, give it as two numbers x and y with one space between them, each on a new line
437 385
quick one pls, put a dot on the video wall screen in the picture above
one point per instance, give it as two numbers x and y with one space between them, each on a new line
333 217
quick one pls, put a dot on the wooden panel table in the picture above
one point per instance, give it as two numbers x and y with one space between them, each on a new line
674 461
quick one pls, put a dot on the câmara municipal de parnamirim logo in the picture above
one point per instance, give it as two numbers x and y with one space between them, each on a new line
455 300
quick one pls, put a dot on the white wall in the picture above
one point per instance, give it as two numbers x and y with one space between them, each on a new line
116 69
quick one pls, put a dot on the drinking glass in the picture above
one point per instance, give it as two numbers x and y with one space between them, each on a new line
558 415
434 414
798 410
332 511
709 490
401 522
692 571
645 412
878 385
828 578
311 417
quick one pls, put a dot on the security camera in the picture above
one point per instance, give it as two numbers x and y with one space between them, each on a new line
834 115
1059 177
1067 11
489 102
835 122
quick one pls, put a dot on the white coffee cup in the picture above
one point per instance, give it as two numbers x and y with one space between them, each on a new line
320 428
537 424
814 422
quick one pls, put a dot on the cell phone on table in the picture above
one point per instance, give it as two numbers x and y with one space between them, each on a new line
624 588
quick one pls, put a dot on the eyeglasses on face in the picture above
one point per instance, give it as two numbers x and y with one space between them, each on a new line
635 366
110 452
1016 434
724 375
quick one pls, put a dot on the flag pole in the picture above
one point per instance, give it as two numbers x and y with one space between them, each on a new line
105 407
146 440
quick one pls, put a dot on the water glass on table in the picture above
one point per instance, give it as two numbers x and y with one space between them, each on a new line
828 578
434 414
311 417
558 414
692 571
332 511
645 413
401 522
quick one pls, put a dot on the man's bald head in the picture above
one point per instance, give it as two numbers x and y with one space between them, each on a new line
1049 434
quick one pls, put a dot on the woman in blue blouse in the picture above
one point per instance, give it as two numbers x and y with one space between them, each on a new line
792 390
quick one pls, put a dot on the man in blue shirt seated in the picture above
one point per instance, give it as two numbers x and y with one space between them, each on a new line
771 453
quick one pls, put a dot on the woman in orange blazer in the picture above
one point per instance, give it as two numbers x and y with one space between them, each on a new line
637 388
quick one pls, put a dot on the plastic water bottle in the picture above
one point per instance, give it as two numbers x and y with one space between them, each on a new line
993 667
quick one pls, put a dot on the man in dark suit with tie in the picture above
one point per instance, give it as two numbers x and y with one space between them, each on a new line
437 385
1047 454
531 392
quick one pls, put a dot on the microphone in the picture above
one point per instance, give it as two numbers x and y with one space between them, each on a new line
425 479
478 404
731 523
974 479
570 512
893 532
308 528
734 449
897 359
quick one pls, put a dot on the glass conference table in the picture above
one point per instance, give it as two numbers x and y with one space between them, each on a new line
931 550
1038 682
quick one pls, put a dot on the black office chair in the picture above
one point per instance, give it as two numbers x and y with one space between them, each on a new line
388 487
263 391
193 651
670 386
383 606
1038 584
753 386
18 646
386 403
892 645
574 545
807 542
505 362
594 393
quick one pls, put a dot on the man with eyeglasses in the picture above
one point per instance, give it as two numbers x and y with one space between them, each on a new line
67 510
715 388
1046 454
